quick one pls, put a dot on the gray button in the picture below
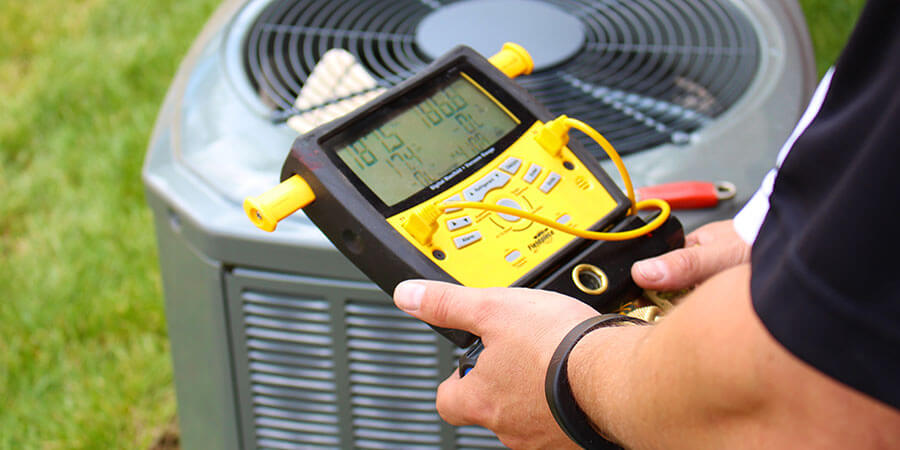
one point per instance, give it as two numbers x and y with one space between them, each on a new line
511 165
533 171
467 239
513 256
509 203
564 219
455 198
550 182
479 189
461 222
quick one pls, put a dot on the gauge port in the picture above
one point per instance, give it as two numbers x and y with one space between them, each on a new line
590 279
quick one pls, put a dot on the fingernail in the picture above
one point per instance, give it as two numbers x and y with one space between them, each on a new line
408 295
652 270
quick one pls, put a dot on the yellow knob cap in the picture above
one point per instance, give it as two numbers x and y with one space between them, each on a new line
422 224
267 209
513 60
554 135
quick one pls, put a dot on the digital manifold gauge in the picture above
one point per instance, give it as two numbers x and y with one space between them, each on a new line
458 174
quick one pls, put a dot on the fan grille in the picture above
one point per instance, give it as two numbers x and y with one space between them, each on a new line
650 71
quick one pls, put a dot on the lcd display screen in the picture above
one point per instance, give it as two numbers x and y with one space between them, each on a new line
428 140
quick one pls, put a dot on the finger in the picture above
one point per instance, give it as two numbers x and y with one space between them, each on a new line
712 233
682 268
446 305
452 401
693 239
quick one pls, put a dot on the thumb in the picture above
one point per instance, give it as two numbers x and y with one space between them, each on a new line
686 267
446 305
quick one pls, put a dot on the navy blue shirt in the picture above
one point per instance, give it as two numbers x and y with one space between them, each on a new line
826 262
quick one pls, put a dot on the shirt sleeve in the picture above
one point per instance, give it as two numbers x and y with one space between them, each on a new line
826 273
750 218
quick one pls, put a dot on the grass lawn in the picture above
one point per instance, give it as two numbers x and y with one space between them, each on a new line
83 350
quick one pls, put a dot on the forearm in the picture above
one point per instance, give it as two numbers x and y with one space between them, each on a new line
710 376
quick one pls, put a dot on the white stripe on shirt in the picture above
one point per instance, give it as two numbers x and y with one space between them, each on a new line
748 221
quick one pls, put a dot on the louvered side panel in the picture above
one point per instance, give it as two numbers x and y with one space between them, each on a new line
393 377
291 371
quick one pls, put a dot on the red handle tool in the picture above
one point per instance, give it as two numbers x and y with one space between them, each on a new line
689 194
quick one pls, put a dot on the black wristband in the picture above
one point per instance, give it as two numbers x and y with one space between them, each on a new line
570 417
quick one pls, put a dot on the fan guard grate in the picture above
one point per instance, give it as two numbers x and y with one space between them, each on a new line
650 71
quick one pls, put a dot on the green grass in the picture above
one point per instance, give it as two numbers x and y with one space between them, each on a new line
83 351
830 23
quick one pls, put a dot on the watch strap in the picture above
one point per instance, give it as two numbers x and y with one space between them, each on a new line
570 417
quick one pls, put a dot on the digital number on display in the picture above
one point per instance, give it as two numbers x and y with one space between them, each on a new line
422 144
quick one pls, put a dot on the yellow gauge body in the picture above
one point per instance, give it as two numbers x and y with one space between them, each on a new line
483 248
381 181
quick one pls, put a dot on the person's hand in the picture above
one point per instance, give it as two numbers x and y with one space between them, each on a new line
707 251
520 329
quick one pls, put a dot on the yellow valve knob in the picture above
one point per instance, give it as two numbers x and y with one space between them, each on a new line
270 207
513 60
